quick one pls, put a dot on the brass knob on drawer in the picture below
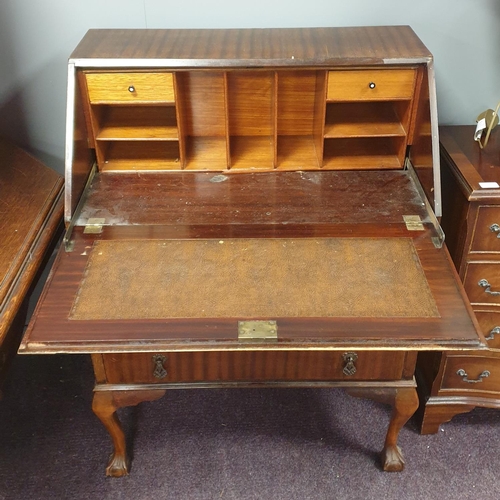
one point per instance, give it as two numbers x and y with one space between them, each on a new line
462 373
495 228
131 89
372 85
349 359
494 331
159 368
487 287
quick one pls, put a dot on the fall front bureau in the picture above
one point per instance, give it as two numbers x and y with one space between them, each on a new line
252 208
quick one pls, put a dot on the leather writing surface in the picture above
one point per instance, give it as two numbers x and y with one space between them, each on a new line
254 278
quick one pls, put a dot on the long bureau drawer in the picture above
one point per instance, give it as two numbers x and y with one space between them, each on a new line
486 236
471 373
372 84
130 87
252 366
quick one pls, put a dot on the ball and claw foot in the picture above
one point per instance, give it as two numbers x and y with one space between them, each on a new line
118 466
392 459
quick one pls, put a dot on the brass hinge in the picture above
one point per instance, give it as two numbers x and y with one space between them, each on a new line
94 225
258 330
413 222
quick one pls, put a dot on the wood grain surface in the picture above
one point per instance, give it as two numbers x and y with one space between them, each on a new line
256 47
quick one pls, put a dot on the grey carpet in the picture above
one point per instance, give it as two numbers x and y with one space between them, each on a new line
229 444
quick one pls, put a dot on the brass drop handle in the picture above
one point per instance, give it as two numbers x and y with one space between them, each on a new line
487 287
372 85
131 88
495 228
349 360
494 331
159 368
462 373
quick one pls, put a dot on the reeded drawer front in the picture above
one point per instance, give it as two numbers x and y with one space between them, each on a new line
482 283
130 87
486 236
367 85
489 322
252 366
474 373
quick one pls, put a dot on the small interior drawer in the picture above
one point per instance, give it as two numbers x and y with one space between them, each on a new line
130 87
489 321
370 85
486 236
482 283
252 366
475 373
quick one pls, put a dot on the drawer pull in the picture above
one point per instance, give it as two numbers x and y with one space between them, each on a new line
349 359
462 373
495 228
131 89
487 287
372 85
493 332
159 368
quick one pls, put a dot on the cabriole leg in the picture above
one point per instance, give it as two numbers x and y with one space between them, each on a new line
404 402
104 405
404 406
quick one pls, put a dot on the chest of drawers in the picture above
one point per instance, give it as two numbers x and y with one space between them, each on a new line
254 216
454 383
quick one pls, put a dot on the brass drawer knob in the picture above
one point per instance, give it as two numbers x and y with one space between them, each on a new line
487 287
159 367
494 331
349 360
131 89
495 228
462 373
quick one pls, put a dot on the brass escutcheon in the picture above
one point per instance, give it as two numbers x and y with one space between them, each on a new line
159 368
349 359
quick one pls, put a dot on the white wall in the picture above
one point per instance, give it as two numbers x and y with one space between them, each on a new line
37 36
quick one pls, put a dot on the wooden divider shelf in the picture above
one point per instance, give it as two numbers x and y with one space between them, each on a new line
253 119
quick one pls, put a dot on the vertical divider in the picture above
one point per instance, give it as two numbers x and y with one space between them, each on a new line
320 115
179 115
410 131
87 107
274 119
226 124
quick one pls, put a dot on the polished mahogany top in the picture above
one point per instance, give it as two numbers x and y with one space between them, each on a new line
474 165
267 47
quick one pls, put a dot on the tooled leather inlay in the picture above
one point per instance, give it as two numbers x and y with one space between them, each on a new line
254 278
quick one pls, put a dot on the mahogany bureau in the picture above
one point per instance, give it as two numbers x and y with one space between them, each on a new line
31 210
452 382
252 208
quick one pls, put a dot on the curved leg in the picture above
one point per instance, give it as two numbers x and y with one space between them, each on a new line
404 406
404 403
104 405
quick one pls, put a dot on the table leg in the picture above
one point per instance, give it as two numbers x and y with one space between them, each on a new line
404 402
104 405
